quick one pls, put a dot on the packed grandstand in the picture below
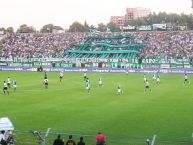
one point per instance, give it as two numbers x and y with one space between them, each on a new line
177 44
156 47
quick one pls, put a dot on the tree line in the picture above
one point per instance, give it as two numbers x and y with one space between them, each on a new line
74 27
162 17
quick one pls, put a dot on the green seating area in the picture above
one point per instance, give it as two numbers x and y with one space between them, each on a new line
109 47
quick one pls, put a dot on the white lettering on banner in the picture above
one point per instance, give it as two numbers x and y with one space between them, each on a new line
177 71
187 66
189 72
113 60
54 59
145 28
131 71
159 26
34 69
18 69
150 61
3 64
148 71
16 64
128 27
103 60
46 63
173 71
8 69
46 69
95 70
117 71
165 66
5 59
163 71
37 63
56 69
27 65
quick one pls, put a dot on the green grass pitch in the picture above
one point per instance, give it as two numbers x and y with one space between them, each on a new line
127 119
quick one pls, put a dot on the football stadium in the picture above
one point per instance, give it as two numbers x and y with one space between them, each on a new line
127 86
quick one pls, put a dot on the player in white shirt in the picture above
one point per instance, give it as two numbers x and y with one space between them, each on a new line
127 72
46 83
88 87
87 80
147 86
119 89
5 88
85 76
186 80
144 78
158 80
154 77
14 83
61 76
100 82
9 82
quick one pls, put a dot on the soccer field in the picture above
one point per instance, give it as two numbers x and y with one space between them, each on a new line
127 119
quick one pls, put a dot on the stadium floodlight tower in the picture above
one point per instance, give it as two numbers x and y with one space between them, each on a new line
42 138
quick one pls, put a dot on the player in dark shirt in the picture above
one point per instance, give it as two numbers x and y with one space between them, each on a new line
5 88
46 83
58 141
45 75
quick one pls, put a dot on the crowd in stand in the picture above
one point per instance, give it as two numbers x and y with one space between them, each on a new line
167 44
175 44
38 44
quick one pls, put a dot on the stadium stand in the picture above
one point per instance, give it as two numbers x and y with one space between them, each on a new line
165 44
38 45
115 47
151 49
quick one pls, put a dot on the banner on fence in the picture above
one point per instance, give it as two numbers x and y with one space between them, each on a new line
113 70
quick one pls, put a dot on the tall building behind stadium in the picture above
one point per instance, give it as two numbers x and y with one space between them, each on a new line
131 14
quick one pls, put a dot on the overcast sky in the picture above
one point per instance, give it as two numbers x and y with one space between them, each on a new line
63 12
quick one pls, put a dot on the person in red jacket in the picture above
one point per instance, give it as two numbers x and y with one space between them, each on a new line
100 139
